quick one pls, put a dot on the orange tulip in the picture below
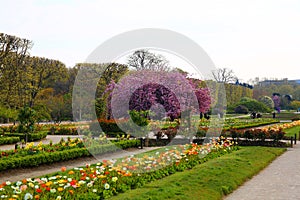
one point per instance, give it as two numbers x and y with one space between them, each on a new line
63 169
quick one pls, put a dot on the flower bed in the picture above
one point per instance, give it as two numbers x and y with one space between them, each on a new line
68 130
267 136
106 179
285 125
32 155
258 134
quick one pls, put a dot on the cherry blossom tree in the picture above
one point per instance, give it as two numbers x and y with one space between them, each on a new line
276 100
167 94
142 90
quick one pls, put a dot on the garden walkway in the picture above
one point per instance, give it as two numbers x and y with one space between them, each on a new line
20 174
279 181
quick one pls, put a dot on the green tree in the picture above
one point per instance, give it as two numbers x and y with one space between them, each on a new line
8 114
27 119
13 52
41 72
234 93
295 105
267 101
252 105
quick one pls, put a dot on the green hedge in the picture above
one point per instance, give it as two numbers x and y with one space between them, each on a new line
114 146
31 136
115 134
63 131
45 158
58 156
9 140
124 144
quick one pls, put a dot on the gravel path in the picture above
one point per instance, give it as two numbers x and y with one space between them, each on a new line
19 174
279 181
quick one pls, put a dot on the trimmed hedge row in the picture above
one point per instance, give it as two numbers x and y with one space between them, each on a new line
114 146
115 134
31 136
58 156
125 144
9 140
250 125
45 158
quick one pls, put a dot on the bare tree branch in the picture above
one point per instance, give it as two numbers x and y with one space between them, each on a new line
143 59
224 75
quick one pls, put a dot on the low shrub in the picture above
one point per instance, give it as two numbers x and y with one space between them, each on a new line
31 136
247 123
241 109
9 140
44 158
116 134
201 133
11 129
113 146
25 159
63 131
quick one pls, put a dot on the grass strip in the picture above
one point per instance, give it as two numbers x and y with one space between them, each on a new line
210 180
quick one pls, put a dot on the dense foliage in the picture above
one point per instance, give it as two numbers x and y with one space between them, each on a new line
267 101
251 104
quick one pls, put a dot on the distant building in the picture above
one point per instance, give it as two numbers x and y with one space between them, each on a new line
284 81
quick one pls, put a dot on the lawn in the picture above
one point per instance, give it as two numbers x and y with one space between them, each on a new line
292 131
283 116
210 180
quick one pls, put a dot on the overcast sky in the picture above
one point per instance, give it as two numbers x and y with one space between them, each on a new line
255 38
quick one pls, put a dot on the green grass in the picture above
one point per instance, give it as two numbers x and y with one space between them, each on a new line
210 180
292 131
283 115
237 116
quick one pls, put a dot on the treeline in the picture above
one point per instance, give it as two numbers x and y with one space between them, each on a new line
228 94
284 89
46 85
289 94
40 83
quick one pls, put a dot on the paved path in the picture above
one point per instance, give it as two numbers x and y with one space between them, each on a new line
20 174
279 181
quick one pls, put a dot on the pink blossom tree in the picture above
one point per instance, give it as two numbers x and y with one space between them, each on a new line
143 89
169 92
276 100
